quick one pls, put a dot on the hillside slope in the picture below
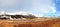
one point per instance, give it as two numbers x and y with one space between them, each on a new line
34 23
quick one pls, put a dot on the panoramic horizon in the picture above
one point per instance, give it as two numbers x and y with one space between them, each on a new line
38 7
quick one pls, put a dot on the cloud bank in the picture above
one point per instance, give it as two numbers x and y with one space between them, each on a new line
37 7
43 7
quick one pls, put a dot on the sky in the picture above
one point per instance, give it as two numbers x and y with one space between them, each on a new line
36 7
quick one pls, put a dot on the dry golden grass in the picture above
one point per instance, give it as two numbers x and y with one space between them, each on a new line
37 22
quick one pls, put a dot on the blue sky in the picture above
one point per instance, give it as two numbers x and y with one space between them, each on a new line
58 5
38 7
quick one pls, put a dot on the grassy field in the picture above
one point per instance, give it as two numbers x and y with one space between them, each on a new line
36 22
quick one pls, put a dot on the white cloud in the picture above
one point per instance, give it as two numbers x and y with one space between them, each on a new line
39 7
43 7
4 3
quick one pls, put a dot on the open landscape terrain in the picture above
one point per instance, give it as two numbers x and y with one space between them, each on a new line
36 22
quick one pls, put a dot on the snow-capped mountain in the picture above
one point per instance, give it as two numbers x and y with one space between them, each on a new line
18 13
